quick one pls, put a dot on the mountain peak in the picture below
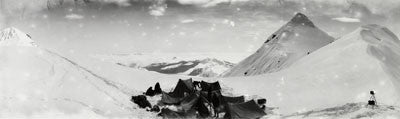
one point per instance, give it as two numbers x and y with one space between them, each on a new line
296 39
301 19
13 36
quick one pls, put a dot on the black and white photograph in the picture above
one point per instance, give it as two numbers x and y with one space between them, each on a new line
199 59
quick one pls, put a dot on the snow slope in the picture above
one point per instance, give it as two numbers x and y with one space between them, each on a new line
339 73
351 111
298 38
38 83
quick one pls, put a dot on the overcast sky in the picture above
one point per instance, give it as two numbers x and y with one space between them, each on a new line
129 26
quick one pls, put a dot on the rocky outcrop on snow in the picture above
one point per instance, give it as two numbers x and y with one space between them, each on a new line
298 38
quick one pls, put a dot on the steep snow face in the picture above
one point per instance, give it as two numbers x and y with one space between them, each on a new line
341 72
13 36
36 83
384 46
296 39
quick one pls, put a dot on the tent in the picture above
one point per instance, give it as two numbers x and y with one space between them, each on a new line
239 99
201 108
222 99
246 110
188 102
193 102
169 100
167 113
149 92
157 88
182 87
208 94
141 101
209 86
176 96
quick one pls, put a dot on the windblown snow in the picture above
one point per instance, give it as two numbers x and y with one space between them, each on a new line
296 39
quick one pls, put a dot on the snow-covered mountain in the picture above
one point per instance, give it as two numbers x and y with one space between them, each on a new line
14 37
204 68
35 82
296 39
183 65
339 73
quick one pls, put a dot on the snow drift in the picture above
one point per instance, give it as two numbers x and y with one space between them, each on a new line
298 38
339 73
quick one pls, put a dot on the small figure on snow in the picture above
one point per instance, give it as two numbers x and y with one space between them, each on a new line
372 100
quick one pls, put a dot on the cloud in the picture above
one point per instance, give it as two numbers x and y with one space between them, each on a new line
27 5
158 8
74 16
364 13
123 3
2 24
346 19
187 21
229 22
208 3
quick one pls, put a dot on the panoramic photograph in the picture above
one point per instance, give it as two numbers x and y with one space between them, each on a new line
206 59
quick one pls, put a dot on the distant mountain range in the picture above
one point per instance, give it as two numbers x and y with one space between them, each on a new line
208 67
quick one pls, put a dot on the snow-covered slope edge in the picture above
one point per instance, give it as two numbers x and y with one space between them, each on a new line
339 73
384 46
